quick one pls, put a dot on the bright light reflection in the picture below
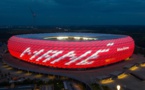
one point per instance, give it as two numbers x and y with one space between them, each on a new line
118 87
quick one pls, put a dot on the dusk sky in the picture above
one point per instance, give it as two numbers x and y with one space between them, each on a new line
72 12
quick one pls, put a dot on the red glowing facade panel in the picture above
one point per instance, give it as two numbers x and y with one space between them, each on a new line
71 54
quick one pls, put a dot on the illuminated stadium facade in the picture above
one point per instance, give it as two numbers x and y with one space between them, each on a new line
71 50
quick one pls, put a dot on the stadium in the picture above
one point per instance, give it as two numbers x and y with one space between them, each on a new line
71 50
90 58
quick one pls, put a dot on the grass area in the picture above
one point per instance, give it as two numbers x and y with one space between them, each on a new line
82 87
58 85
4 84
95 86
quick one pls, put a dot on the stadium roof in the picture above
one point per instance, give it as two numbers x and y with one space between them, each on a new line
97 36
